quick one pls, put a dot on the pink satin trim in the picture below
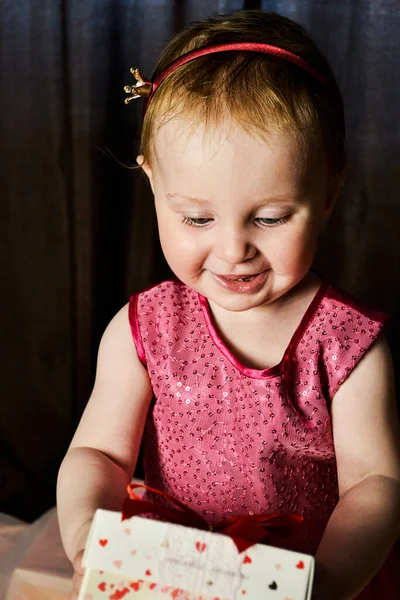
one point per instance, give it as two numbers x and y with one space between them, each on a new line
277 369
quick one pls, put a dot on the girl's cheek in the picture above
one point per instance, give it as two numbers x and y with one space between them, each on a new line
297 250
182 249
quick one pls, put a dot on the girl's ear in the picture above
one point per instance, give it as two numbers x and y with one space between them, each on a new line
143 164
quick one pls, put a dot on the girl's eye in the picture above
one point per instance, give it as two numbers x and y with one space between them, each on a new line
265 222
272 222
196 221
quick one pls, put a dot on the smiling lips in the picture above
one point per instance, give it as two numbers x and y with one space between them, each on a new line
239 277
243 284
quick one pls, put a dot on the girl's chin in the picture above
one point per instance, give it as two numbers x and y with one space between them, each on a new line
238 302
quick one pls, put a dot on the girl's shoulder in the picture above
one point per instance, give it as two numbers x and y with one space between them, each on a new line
170 295
157 313
168 289
338 299
344 328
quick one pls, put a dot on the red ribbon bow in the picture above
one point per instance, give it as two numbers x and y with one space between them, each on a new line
245 530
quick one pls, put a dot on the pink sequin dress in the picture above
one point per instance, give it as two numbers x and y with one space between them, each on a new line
227 439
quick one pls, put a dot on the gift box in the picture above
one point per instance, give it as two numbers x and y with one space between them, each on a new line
143 559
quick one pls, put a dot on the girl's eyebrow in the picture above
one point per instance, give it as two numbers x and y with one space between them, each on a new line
173 195
275 200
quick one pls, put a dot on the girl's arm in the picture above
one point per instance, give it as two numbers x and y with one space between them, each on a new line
102 456
366 520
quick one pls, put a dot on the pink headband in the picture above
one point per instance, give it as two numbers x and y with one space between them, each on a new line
146 89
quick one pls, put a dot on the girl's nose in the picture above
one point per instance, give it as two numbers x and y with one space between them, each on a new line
234 247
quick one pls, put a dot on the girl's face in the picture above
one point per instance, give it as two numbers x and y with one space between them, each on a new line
238 216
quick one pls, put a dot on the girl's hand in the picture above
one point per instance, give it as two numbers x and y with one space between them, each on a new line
78 575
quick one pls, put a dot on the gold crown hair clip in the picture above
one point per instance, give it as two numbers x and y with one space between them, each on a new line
141 89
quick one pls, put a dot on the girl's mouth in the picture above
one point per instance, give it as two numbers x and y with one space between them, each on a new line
243 284
239 277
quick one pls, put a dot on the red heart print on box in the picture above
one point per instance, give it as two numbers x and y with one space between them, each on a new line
118 594
103 543
135 585
300 565
247 560
200 547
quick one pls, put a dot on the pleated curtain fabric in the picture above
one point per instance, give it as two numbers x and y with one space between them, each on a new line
77 227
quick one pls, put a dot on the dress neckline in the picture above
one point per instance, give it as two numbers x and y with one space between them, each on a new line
276 369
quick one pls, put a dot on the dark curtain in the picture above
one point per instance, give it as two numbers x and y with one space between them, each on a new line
78 229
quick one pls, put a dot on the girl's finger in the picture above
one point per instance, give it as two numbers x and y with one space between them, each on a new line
77 582
77 563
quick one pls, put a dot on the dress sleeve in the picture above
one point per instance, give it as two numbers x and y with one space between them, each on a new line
135 328
353 329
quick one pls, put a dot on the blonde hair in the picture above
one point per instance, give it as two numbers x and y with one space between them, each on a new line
262 93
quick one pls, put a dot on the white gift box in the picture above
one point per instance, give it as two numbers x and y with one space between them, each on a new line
141 559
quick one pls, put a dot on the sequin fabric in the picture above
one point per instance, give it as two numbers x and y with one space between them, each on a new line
226 439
